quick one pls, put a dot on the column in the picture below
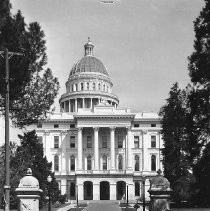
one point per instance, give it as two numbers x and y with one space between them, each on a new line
96 152
113 191
80 192
48 140
79 148
69 106
83 102
63 153
96 191
129 155
63 186
75 106
112 135
91 103
145 157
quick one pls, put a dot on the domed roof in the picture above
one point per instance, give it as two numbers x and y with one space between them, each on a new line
89 63
29 181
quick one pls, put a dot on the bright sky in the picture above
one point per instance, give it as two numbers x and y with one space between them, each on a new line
143 43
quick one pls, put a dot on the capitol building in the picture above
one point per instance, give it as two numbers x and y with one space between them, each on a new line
98 150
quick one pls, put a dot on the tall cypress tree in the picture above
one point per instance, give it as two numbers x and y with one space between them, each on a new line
173 123
198 129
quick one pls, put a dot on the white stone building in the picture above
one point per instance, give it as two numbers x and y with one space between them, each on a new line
97 149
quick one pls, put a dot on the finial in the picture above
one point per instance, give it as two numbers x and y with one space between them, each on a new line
89 48
29 172
88 39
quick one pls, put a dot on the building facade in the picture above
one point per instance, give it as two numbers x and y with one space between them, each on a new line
97 149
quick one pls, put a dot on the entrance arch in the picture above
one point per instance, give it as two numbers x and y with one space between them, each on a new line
121 189
88 190
104 190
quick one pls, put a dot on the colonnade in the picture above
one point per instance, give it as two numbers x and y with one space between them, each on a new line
112 149
72 105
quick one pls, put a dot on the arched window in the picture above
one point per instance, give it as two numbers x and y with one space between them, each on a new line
104 162
99 86
120 162
89 163
104 87
56 163
76 87
82 86
153 163
94 86
136 163
137 189
72 88
72 163
88 86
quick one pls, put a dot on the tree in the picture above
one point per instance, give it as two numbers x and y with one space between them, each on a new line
176 166
199 101
30 155
30 83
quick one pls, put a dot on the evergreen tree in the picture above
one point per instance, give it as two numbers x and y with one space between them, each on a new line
32 88
198 129
176 166
30 155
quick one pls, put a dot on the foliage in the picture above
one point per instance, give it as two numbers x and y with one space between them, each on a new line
176 166
30 83
30 155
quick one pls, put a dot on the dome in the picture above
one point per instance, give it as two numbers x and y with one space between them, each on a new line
89 64
29 181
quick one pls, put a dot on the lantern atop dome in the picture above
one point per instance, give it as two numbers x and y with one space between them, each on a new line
89 48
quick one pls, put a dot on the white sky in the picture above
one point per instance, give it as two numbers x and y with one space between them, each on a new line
143 43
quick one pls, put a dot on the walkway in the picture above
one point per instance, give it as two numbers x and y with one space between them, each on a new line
103 206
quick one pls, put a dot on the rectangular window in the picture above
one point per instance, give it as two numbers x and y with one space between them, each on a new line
56 141
153 125
72 141
153 141
136 142
120 142
89 142
56 126
39 125
67 106
40 139
136 125
104 141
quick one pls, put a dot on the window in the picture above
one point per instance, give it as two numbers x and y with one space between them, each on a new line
72 163
82 86
104 141
104 87
88 86
137 189
89 142
136 142
153 163
72 88
56 163
40 139
99 86
72 126
94 86
72 189
136 125
153 125
120 162
72 141
76 87
56 126
136 163
39 125
56 141
153 141
67 106
104 162
89 163
120 142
